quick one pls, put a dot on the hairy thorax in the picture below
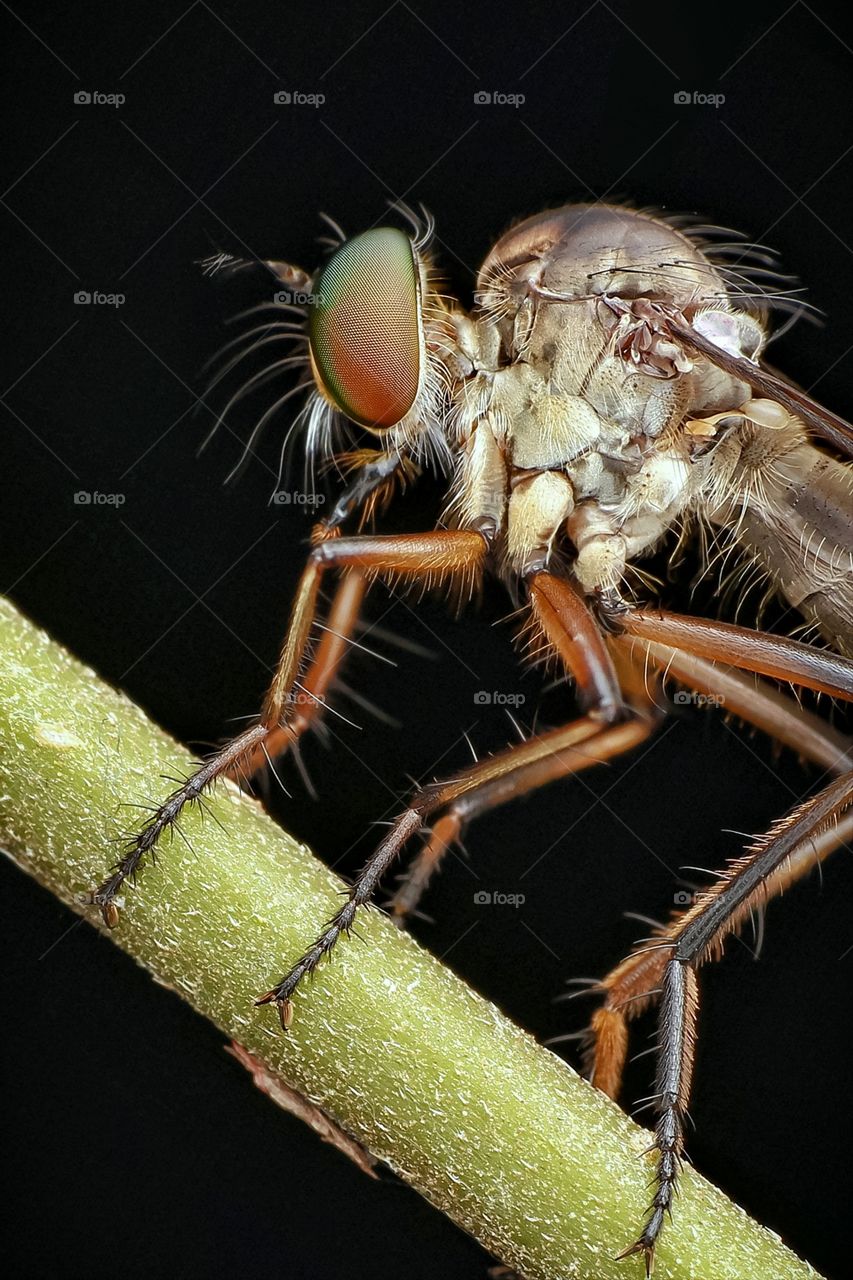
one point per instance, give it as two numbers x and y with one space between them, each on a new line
575 422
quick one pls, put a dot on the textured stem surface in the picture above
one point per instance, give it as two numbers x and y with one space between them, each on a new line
489 1126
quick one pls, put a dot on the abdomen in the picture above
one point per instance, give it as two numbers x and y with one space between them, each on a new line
798 523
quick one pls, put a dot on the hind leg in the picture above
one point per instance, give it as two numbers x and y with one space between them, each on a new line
697 935
634 984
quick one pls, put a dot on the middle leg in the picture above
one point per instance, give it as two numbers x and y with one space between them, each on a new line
610 726
643 696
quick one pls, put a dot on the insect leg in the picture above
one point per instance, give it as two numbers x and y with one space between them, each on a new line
635 983
641 689
607 743
700 931
757 651
428 555
759 703
320 676
444 833
570 630
539 757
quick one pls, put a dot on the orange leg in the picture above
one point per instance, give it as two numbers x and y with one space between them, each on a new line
698 934
309 700
635 984
756 651
512 772
561 762
608 727
642 695
428 556
667 968
571 631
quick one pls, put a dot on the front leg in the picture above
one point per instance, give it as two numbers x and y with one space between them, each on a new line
320 676
409 556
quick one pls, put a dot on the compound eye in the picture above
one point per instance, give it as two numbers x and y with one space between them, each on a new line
365 328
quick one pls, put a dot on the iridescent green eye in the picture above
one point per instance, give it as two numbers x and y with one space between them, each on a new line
365 328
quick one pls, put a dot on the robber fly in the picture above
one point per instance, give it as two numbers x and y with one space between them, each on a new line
607 388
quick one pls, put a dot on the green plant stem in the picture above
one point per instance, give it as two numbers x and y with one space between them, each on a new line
489 1126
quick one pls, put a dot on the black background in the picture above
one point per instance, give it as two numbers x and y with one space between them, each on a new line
133 1143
